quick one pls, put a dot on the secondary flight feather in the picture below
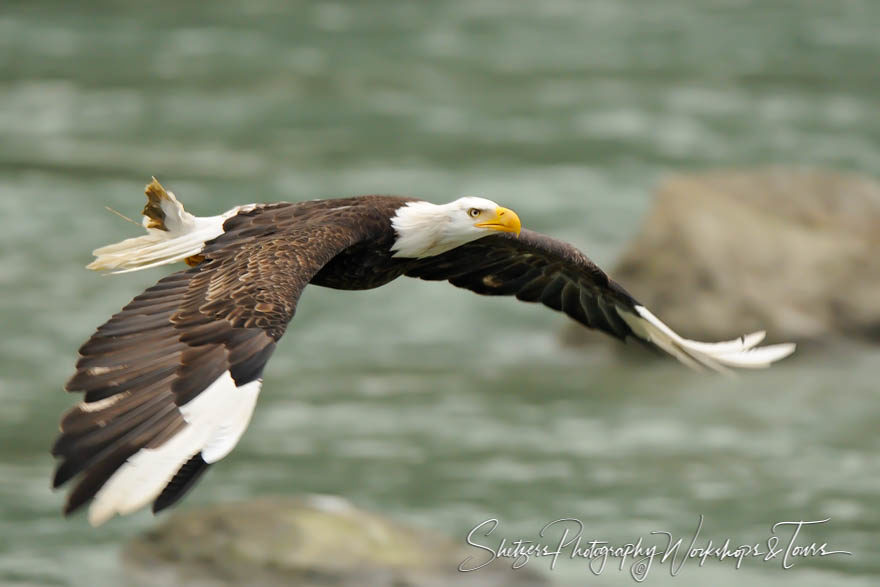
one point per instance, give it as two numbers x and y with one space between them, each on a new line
170 382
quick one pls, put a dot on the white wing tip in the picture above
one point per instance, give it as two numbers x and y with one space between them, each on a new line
741 352
758 358
215 421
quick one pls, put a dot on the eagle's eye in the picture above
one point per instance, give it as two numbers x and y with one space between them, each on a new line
474 212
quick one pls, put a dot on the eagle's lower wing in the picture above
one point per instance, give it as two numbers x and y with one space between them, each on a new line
170 381
537 268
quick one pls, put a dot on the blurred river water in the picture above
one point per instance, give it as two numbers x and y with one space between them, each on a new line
419 401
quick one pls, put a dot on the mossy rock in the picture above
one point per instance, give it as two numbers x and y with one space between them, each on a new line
309 542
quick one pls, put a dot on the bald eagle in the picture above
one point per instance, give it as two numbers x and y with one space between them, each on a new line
170 382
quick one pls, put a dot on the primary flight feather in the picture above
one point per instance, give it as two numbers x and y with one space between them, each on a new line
171 381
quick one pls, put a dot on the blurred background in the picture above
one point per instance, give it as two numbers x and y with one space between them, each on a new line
420 402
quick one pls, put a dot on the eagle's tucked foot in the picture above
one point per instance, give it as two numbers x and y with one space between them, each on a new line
173 235
194 260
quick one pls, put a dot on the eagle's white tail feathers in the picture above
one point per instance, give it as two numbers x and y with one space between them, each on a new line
742 352
157 247
175 236
216 419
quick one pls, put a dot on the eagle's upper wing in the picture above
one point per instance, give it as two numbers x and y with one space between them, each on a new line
170 381
537 268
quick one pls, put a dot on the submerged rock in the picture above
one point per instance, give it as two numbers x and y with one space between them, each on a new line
795 253
303 542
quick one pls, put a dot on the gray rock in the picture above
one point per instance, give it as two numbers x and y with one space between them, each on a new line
792 252
307 542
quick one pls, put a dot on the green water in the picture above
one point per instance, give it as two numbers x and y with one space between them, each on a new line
419 401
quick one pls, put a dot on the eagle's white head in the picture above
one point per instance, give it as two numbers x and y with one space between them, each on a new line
425 229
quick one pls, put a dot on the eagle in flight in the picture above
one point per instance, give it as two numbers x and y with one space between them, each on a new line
170 382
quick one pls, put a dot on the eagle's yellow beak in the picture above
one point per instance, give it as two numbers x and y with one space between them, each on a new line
504 220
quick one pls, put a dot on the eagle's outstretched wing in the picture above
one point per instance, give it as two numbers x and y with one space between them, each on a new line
170 381
537 268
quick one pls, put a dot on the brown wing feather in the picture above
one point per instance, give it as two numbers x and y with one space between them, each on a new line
166 346
534 268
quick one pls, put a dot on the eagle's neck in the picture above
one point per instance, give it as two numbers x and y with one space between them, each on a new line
422 230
